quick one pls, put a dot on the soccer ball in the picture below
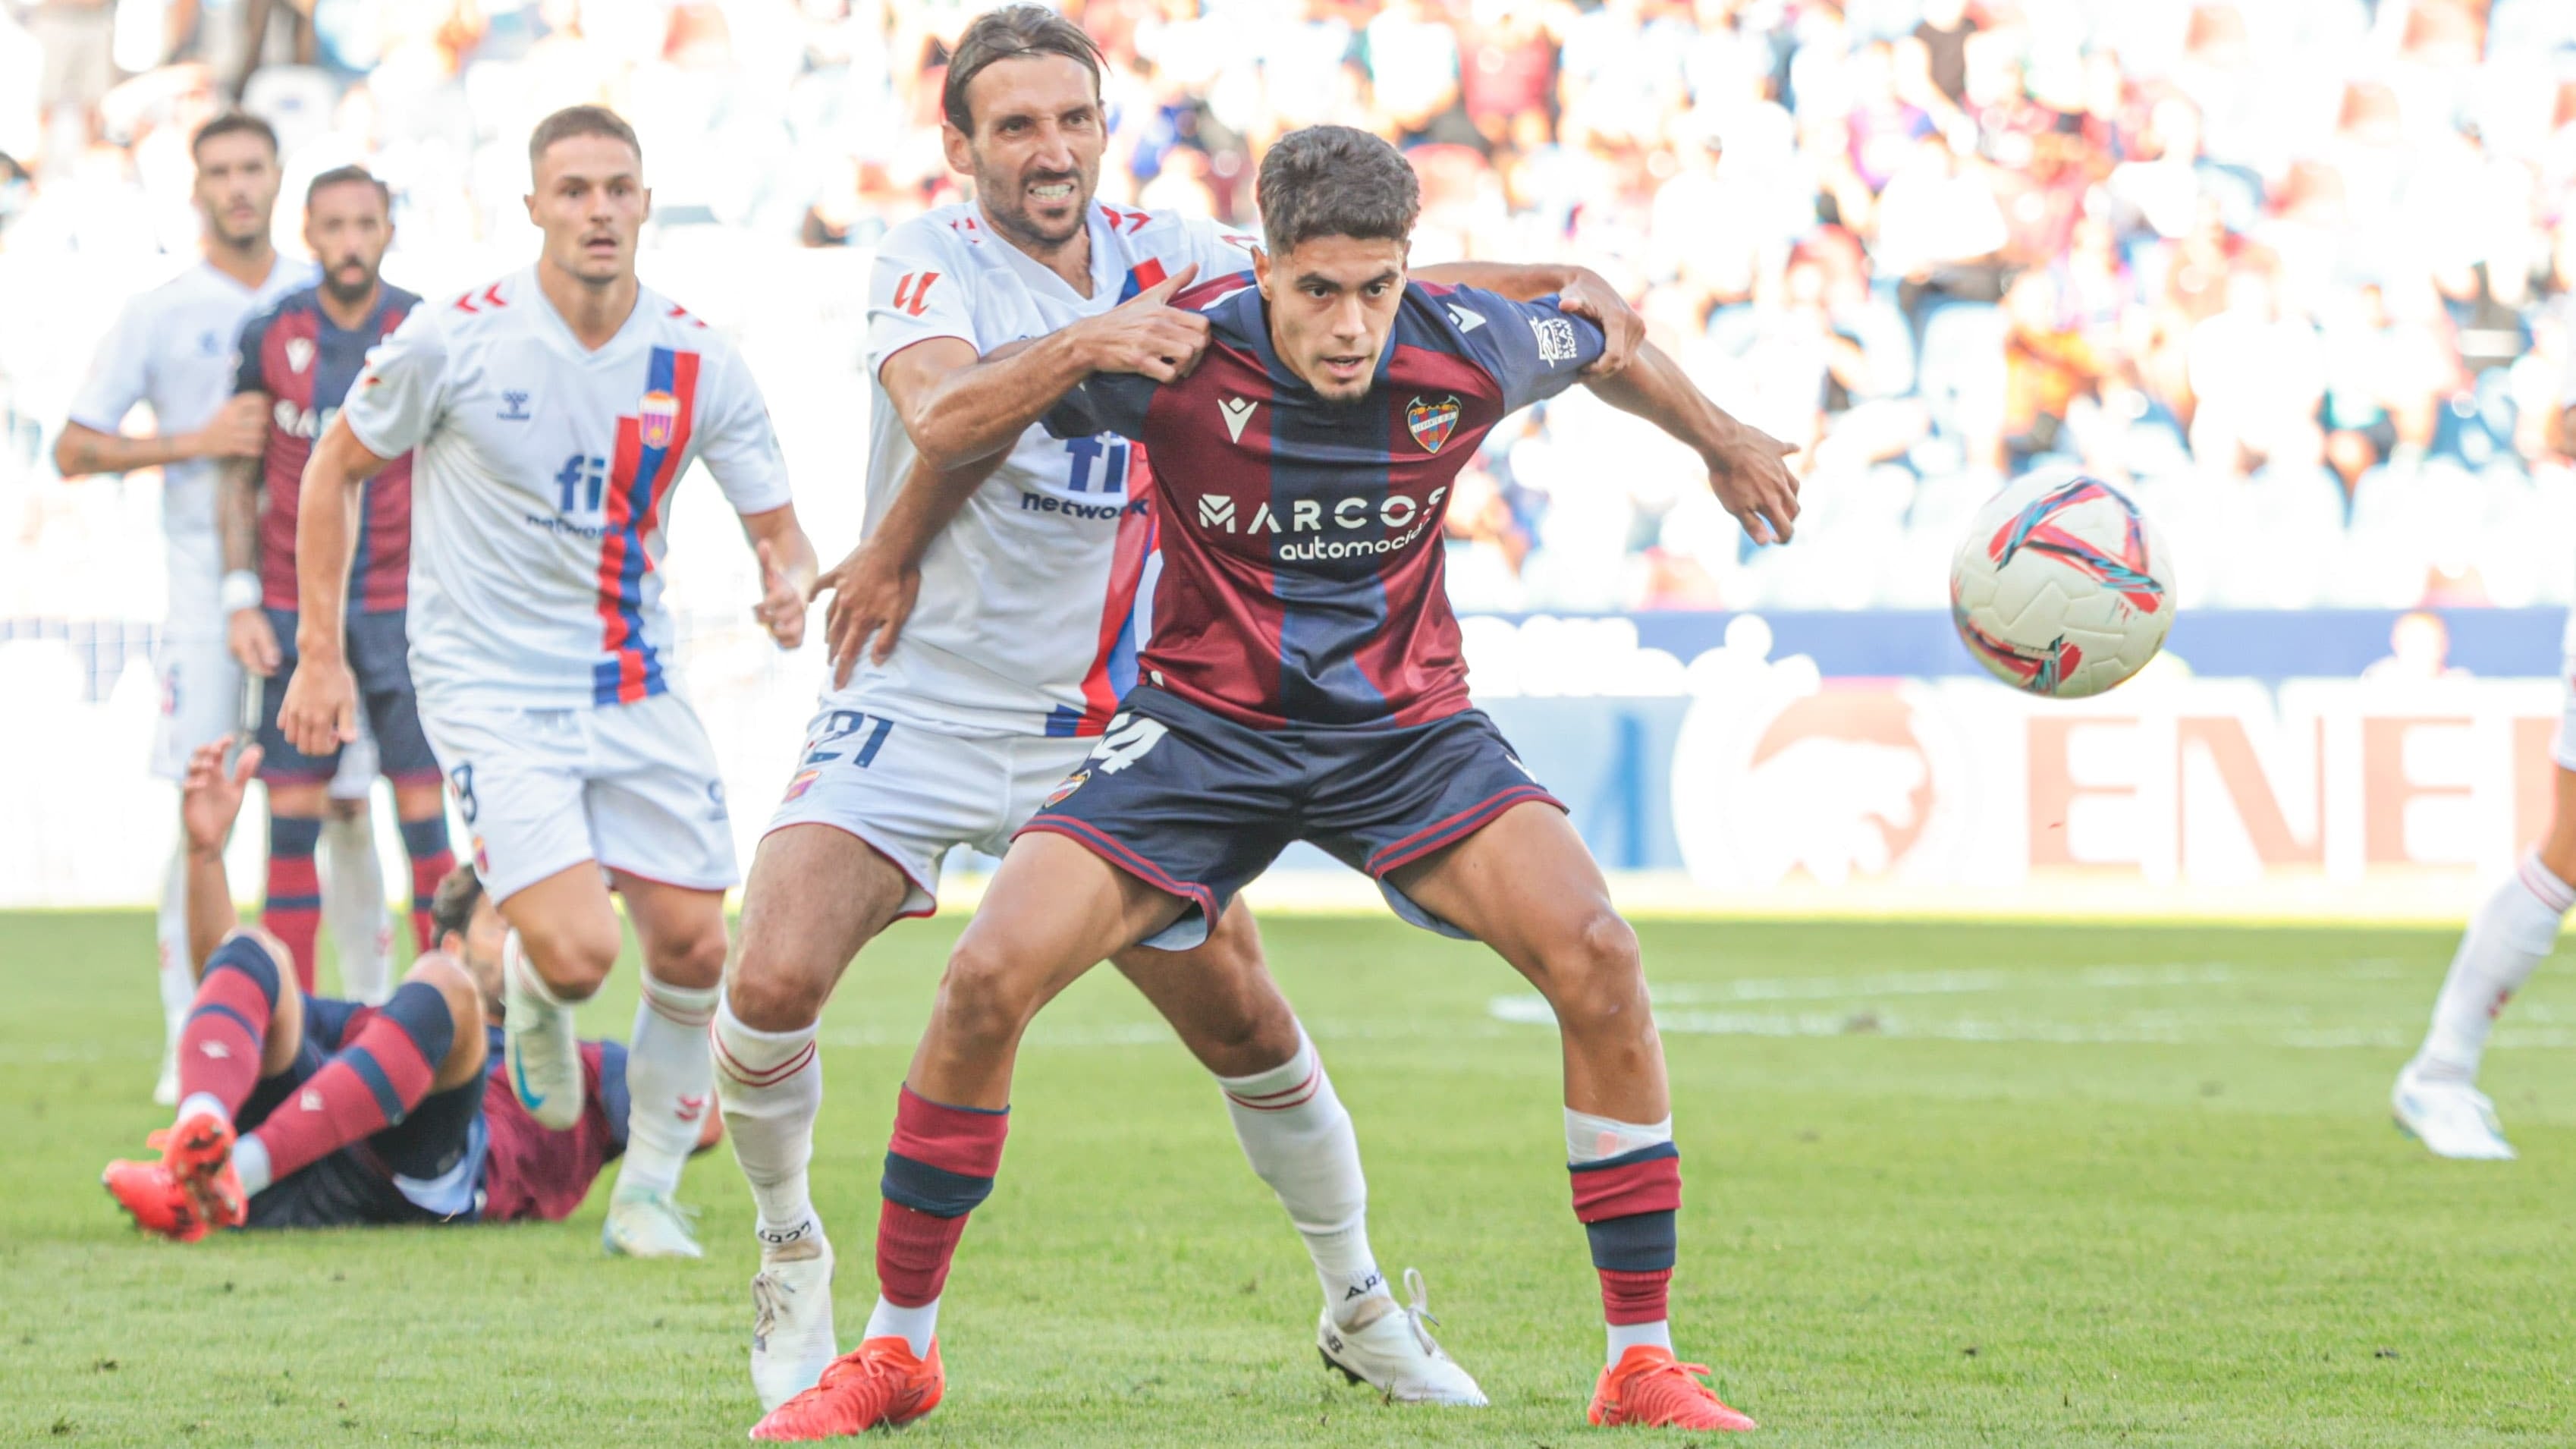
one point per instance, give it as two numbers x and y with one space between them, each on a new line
2062 586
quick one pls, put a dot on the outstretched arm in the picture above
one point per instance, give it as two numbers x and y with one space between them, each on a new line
209 800
1745 470
320 712
246 629
786 572
959 406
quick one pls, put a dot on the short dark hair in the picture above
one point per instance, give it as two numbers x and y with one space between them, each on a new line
574 121
232 123
347 176
1014 32
452 907
1335 181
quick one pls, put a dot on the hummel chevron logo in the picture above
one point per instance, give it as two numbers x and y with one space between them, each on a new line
1238 411
1467 321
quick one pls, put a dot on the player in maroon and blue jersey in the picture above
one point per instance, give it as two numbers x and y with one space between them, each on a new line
1304 682
301 356
302 1111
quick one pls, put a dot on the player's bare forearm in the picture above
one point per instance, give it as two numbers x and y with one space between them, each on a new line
928 502
324 539
1522 282
1579 290
83 451
211 914
237 513
1745 467
788 549
959 407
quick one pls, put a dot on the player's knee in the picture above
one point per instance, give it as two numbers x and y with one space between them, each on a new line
1599 975
574 963
769 991
455 985
980 998
2558 847
695 960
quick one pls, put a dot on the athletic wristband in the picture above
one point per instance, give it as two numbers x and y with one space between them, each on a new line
240 590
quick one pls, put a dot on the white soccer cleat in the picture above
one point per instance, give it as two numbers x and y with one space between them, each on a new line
791 1326
646 1224
1388 1348
2451 1117
537 1045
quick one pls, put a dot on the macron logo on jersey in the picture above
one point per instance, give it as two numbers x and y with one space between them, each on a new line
1238 411
1467 321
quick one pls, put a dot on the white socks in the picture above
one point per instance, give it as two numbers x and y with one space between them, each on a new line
178 968
668 1083
1299 1140
250 1160
353 905
1624 1336
913 1325
771 1085
2512 933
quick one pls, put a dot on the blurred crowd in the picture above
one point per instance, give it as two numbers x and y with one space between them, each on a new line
2296 269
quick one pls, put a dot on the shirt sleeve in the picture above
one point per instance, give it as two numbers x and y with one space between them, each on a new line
118 375
739 445
915 295
1534 349
1105 402
399 393
1219 252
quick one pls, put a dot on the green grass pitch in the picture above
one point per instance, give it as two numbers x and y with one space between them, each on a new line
1946 1184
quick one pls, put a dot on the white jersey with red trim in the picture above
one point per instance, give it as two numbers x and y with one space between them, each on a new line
541 478
1032 601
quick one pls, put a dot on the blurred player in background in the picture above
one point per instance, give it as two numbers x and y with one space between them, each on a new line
550 414
305 1112
298 359
2436 1098
173 348
1305 682
1008 672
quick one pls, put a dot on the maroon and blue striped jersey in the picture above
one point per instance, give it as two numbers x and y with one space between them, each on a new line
1302 578
295 354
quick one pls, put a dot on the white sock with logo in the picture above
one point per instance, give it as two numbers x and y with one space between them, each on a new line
353 903
1299 1140
669 1083
771 1086
2509 936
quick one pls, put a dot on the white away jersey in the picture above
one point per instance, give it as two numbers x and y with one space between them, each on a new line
175 347
541 476
1028 616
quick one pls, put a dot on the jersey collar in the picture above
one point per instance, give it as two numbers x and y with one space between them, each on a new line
1106 275
552 321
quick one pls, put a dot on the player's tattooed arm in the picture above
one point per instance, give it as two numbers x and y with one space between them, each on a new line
246 630
1747 467
960 406
237 430
320 711
1579 290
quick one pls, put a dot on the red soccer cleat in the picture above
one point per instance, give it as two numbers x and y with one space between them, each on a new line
1648 1387
877 1385
199 1153
155 1199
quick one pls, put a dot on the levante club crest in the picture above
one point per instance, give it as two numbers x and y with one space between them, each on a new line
656 418
1432 422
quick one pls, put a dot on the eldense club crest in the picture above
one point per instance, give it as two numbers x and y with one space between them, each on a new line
1432 422
657 416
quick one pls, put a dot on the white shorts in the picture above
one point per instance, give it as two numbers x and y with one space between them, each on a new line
631 786
911 794
203 699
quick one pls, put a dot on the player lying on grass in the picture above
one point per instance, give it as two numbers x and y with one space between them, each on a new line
1028 568
301 1111
1304 681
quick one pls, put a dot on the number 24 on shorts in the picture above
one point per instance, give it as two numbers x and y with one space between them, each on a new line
1126 741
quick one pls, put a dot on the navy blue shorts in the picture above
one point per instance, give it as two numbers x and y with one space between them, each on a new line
379 651
1193 803
354 1187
